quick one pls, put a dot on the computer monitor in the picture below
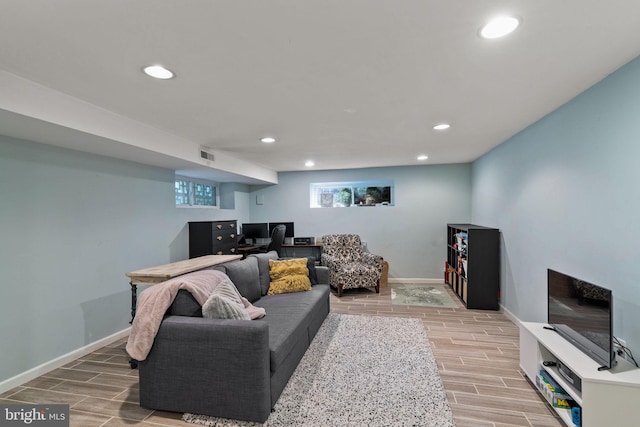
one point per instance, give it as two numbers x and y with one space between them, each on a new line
255 230
289 225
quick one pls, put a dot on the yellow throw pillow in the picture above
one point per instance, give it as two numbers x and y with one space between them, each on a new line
289 275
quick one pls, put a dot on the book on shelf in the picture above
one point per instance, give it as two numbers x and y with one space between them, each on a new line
552 391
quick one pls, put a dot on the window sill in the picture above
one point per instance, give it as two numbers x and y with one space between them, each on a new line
196 207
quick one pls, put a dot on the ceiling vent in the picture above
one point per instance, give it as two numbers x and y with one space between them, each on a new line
206 153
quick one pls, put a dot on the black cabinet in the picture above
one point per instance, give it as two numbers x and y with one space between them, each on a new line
473 265
213 238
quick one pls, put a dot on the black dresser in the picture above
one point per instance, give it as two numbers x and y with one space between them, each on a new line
213 238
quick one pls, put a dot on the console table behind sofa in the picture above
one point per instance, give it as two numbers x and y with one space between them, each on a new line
161 273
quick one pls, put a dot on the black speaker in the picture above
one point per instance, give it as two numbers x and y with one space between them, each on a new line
303 240
570 376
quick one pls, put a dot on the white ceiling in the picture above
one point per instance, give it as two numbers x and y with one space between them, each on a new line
346 83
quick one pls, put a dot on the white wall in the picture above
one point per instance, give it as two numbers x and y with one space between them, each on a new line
564 193
71 225
411 235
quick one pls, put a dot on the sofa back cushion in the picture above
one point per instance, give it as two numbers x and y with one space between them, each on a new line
313 274
185 305
263 269
244 274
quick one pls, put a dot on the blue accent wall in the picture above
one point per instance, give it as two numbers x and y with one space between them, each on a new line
71 225
411 235
565 194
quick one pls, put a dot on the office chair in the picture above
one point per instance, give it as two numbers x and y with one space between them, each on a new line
277 239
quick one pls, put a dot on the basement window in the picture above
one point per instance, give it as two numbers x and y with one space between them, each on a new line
350 194
192 192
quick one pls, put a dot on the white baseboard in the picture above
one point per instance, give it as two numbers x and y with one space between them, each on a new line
510 316
416 281
56 363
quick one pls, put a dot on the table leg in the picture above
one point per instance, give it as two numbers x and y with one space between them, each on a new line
134 300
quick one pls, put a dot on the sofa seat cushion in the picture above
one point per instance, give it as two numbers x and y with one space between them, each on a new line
355 275
289 317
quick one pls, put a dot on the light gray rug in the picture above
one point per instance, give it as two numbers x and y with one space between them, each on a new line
422 295
360 371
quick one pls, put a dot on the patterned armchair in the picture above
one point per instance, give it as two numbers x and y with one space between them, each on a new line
349 266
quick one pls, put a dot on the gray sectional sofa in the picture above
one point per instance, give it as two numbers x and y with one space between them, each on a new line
233 368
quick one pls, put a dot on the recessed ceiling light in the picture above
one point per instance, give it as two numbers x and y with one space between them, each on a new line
309 163
268 140
423 157
158 72
442 126
499 27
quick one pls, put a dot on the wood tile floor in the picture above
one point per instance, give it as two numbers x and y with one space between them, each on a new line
476 351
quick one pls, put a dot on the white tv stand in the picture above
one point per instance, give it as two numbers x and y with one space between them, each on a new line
608 397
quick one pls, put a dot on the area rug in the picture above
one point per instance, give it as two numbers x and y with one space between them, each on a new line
360 371
422 295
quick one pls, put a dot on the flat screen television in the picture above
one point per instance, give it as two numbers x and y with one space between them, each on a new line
255 230
582 313
287 233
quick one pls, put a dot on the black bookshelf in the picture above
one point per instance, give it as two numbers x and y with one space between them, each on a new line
473 265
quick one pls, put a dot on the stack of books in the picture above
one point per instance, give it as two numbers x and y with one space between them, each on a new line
552 391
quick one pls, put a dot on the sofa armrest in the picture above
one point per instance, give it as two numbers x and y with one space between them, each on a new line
217 367
322 273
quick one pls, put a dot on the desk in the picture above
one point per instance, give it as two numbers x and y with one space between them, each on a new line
246 250
161 273
301 251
